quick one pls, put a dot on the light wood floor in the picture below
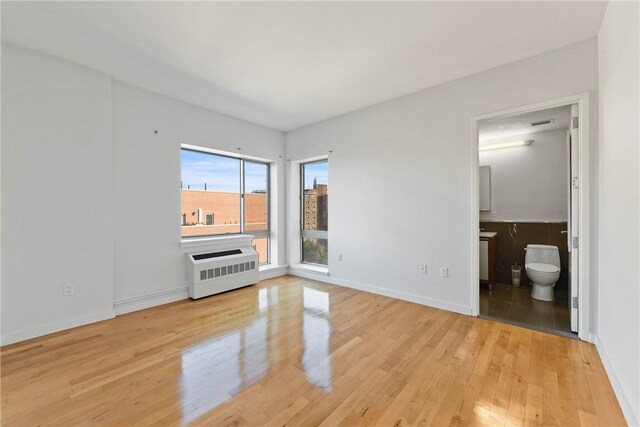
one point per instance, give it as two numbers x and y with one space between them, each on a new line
297 352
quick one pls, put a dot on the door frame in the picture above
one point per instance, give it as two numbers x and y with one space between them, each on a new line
582 100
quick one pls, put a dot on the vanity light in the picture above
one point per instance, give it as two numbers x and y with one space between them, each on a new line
500 145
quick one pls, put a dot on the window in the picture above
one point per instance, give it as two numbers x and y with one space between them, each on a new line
314 210
225 195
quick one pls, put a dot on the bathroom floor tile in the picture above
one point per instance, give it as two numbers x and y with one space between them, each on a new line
561 319
498 310
561 300
517 305
541 318
494 304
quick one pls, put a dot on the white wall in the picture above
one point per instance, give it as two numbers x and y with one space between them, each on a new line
148 256
529 183
619 261
57 202
80 162
400 183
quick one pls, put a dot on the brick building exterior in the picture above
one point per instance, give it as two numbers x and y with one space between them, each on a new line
315 207
212 212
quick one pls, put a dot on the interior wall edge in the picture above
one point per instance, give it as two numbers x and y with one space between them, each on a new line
151 299
57 326
57 141
167 296
418 299
625 404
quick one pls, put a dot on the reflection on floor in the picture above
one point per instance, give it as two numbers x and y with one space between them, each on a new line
516 305
291 351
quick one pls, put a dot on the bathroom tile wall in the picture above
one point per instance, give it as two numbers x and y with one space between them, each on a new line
513 237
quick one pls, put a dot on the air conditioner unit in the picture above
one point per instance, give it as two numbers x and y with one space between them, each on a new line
214 272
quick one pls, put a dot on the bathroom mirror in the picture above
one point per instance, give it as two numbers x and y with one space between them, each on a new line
485 188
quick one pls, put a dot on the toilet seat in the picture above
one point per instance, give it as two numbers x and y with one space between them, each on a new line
542 267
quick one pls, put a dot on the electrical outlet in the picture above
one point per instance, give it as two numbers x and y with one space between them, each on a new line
67 290
339 257
444 272
423 268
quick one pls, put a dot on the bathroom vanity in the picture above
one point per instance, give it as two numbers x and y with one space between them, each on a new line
488 258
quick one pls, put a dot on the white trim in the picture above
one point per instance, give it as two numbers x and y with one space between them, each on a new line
418 299
294 206
311 268
582 100
269 271
529 221
121 306
152 299
313 159
60 325
235 155
166 296
218 242
625 404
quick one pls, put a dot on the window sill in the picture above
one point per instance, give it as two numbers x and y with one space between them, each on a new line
218 242
311 268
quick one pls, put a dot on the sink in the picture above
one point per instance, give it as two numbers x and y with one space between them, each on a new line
488 234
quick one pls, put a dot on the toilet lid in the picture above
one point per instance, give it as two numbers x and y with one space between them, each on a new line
545 268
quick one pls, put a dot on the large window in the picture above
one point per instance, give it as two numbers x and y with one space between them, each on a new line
225 195
314 212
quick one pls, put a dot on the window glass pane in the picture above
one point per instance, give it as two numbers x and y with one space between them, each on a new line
315 196
256 179
262 246
314 250
210 194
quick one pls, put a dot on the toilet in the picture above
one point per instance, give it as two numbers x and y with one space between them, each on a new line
542 264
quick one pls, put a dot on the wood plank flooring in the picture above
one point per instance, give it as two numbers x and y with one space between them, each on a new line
292 351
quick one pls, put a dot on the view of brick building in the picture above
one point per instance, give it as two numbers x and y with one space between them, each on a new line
315 217
315 207
212 212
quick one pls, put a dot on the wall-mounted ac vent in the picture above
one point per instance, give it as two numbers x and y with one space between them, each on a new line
227 270
214 272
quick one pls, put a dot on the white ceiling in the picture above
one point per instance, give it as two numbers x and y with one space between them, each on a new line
288 64
513 126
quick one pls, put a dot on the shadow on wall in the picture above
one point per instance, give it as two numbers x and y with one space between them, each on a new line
513 237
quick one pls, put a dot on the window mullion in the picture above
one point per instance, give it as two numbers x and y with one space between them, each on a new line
242 198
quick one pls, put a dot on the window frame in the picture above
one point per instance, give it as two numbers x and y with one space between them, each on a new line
313 234
256 233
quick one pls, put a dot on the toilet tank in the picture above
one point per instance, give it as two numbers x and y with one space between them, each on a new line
546 254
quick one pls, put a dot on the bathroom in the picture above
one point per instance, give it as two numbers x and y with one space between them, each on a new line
525 209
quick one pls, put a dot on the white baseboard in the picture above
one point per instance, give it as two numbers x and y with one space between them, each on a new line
627 409
152 299
418 299
140 302
57 326
271 272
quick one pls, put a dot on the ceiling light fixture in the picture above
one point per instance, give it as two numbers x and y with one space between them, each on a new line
508 144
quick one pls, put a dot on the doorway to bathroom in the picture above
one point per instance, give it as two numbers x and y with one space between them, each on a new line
532 239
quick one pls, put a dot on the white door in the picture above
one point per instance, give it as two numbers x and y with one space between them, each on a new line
573 238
